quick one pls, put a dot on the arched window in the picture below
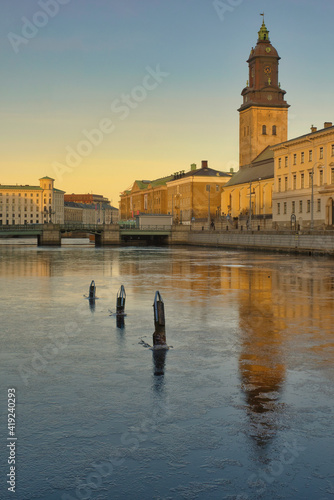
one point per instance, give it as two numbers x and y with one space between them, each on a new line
264 130
274 130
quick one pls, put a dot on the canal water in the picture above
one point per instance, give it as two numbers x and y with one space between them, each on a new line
240 407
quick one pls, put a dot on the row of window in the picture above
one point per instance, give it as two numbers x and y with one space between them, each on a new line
302 156
300 206
302 180
26 202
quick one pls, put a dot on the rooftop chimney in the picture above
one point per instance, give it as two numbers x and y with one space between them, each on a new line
204 163
328 124
193 166
313 129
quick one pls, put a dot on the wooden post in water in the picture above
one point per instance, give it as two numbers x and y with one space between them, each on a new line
159 335
120 301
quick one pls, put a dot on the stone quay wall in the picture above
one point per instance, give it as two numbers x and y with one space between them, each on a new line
321 242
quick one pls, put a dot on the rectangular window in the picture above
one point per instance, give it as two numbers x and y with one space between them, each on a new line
293 208
332 176
310 155
279 185
217 188
286 161
301 181
318 205
321 177
302 157
321 153
332 149
294 181
278 208
285 183
284 207
295 158
300 206
308 208
279 162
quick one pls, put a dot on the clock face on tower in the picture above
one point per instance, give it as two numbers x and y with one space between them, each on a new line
267 70
268 49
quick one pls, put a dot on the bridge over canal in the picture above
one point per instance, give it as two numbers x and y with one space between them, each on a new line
105 234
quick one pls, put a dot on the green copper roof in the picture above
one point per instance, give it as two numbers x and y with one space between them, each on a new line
21 188
263 33
46 177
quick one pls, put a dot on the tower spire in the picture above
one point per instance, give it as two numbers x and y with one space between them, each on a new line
263 33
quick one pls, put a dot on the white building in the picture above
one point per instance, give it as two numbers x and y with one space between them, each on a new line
31 204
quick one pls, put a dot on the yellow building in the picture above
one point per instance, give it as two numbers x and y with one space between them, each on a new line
31 204
184 195
263 122
144 197
196 194
242 208
304 181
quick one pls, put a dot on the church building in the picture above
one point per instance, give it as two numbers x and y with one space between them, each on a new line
263 122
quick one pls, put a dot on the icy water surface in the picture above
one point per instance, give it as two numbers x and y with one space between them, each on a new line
241 406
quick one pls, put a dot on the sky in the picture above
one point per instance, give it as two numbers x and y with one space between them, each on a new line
99 93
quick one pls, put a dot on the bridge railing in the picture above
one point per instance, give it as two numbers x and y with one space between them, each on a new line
20 227
75 226
146 228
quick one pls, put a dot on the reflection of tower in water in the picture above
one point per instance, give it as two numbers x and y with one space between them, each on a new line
261 366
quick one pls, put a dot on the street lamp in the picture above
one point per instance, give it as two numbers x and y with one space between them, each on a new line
250 204
208 187
312 193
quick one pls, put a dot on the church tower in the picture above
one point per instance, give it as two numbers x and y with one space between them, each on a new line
263 119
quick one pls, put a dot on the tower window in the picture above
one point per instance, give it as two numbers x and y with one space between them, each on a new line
264 130
274 130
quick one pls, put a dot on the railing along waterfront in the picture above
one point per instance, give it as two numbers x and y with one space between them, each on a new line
145 228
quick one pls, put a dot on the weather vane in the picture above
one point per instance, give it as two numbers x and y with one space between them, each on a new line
262 14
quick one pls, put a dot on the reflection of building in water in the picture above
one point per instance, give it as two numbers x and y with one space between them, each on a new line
15 263
261 362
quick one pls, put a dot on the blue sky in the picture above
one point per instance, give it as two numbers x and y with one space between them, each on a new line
64 78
